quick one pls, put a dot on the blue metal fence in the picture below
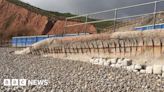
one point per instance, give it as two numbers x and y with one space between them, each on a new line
24 41
149 27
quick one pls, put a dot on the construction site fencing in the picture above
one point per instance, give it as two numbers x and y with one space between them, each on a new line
120 19
26 41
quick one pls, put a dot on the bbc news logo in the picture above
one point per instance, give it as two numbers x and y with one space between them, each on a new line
24 82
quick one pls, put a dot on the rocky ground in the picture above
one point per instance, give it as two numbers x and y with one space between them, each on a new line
72 76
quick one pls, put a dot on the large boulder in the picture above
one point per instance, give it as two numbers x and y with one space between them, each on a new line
135 71
91 60
107 62
149 69
96 61
127 62
138 67
142 71
162 68
113 61
118 65
113 65
163 74
131 68
119 61
157 69
101 61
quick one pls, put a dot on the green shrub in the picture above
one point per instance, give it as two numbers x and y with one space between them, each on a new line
49 14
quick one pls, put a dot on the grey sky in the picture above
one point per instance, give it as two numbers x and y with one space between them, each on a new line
89 6
82 6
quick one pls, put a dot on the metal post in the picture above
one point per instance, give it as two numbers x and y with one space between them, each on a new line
115 19
26 43
155 10
86 20
16 42
36 38
142 21
65 27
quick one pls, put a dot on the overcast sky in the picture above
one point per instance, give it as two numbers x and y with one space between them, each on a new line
88 6
83 6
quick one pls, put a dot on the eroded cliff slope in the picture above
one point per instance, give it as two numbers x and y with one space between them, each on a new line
16 21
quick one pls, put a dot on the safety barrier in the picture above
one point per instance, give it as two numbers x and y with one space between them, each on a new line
150 13
25 41
150 27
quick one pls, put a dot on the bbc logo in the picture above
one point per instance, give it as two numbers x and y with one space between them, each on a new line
14 82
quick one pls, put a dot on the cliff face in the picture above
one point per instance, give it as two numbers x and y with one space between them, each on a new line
58 28
14 17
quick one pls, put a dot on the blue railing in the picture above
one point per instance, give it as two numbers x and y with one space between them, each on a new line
25 41
149 27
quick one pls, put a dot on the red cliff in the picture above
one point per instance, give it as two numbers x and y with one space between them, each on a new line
17 20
